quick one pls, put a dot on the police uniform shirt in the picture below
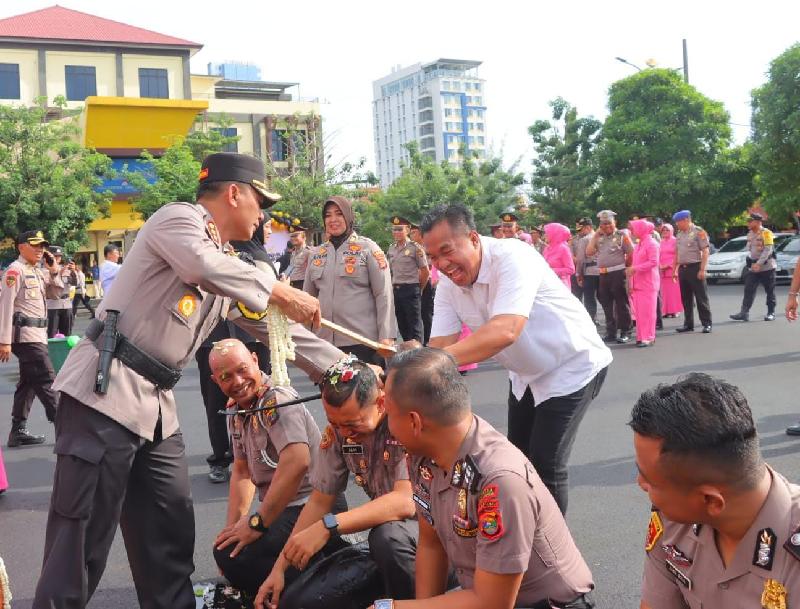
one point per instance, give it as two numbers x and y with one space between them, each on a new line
405 260
354 289
492 512
175 286
690 244
23 291
612 249
299 263
683 567
586 265
59 296
760 246
377 462
259 437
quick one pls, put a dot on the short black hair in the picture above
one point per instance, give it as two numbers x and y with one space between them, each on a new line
211 189
364 384
707 431
457 215
110 247
427 380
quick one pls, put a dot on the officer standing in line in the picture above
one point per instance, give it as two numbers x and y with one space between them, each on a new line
428 292
762 264
536 239
301 254
724 531
410 274
587 272
350 276
496 231
23 332
613 249
692 257
509 225
120 453
481 506
59 298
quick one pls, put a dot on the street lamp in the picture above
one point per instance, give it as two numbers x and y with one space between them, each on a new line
625 61
651 63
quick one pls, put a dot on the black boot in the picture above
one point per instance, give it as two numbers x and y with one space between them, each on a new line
19 436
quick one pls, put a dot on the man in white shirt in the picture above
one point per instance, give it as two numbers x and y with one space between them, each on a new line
525 318
110 268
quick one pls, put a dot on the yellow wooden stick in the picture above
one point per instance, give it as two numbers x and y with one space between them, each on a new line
357 337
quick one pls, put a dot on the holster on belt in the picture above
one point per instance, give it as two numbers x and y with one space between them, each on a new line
17 325
18 320
112 344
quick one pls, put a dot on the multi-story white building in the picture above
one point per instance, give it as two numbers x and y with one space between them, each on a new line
440 104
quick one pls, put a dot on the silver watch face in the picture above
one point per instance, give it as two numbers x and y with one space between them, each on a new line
384 603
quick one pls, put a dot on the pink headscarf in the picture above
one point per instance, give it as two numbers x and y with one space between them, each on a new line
643 229
671 230
556 233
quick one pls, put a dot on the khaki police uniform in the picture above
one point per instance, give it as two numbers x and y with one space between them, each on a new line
258 438
59 303
119 451
612 290
23 325
760 250
405 261
493 512
588 270
377 462
683 567
689 248
299 264
354 288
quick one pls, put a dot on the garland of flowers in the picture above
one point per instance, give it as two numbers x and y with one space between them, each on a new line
5 589
281 345
342 371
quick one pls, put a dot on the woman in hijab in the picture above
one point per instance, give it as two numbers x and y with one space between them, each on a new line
671 303
644 281
557 252
350 277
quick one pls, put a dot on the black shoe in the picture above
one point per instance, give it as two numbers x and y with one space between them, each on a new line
740 317
609 338
706 329
624 339
794 430
769 317
21 437
218 474
660 326
684 329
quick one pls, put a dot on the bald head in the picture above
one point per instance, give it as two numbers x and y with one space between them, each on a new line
235 369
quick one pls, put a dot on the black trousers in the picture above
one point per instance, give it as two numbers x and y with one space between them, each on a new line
214 401
365 354
546 432
393 547
59 320
612 292
751 283
427 298
248 570
408 311
81 299
591 284
36 377
106 474
297 283
693 288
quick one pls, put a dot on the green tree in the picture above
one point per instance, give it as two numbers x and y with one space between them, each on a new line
49 181
177 170
564 181
484 186
776 135
665 147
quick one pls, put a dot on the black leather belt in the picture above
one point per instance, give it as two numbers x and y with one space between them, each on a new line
141 362
588 264
29 322
688 264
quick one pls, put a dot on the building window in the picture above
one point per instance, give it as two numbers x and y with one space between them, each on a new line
153 83
9 81
283 148
228 132
81 82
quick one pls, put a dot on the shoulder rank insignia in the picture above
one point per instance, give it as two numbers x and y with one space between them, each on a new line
696 529
213 232
327 438
425 473
764 552
187 305
774 595
675 555
250 314
654 531
792 544
472 475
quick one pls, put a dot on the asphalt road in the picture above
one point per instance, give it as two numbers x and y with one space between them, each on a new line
608 513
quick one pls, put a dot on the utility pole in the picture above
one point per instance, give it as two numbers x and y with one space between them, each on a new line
685 62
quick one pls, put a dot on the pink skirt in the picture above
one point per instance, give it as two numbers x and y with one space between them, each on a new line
465 331
671 302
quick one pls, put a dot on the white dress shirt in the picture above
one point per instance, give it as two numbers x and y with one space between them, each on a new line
559 350
108 271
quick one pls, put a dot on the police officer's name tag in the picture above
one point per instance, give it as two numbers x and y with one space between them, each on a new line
679 575
352 449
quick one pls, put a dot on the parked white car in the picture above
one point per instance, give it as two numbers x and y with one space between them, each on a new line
730 261
788 254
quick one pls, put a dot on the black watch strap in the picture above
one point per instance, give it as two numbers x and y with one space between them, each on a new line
256 523
331 523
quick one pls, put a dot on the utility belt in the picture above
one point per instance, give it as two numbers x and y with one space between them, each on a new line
582 602
751 261
18 320
611 269
141 362
687 265
586 265
398 286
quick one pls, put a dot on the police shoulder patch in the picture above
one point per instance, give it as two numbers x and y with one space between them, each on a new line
490 518
11 277
654 531
327 438
187 305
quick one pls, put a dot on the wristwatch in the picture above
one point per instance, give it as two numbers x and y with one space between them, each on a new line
331 523
384 603
257 523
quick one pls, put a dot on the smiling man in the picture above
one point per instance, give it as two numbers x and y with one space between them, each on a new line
356 442
524 317
725 527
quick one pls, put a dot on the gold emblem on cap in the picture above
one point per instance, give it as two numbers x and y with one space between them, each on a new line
395 220
507 218
774 595
39 234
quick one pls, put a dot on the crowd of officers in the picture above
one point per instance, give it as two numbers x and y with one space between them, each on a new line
457 515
